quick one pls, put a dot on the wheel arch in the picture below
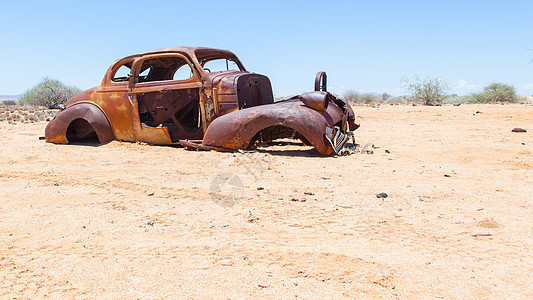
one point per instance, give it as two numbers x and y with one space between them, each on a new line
56 130
237 129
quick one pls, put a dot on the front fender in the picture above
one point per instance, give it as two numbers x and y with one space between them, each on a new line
237 129
56 130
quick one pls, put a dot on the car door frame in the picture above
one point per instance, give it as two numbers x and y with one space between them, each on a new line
158 135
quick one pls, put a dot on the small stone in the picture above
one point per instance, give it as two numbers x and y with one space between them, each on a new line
260 188
518 130
149 193
225 262
151 223
446 175
294 199
308 193
481 234
382 195
387 151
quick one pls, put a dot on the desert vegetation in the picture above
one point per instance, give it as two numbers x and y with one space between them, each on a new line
25 114
52 93
433 91
49 93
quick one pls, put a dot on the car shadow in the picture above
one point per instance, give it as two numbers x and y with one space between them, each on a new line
291 152
304 151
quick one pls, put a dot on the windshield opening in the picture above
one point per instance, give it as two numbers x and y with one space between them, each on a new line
218 60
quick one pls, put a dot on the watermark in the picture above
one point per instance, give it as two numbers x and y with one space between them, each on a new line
227 188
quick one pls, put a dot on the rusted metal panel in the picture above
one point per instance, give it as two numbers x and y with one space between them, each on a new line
236 130
56 130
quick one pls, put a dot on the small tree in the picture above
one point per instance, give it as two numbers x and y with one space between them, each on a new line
49 93
497 92
428 91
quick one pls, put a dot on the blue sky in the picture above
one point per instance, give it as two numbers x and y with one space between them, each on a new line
368 46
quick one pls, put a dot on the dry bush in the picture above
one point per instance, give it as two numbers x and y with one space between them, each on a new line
48 93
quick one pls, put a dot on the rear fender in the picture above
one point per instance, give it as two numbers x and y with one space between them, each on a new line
56 130
237 129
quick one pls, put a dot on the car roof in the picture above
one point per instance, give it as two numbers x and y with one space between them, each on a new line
188 50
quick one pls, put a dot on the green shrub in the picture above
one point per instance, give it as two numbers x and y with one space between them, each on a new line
428 91
355 97
460 99
396 100
9 103
497 92
48 93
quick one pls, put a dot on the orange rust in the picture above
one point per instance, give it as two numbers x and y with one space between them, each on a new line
190 93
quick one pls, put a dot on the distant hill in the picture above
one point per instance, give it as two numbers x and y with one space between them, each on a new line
9 97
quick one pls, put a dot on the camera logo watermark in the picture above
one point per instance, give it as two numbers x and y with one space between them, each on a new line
227 188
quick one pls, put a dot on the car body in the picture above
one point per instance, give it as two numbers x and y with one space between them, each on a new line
198 97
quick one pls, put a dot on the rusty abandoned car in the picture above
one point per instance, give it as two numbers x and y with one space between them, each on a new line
201 98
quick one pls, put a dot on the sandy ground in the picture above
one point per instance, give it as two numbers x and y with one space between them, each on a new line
128 220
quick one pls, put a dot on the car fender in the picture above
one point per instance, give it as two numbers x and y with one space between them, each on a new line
237 129
56 130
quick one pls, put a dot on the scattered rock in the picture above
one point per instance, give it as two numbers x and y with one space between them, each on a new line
366 150
225 262
151 223
263 285
481 234
456 104
27 114
149 193
488 224
308 193
518 130
446 175
424 198
295 199
253 220
260 188
387 151
382 195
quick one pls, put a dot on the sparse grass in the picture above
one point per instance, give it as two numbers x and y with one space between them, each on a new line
460 99
8 103
400 100
359 98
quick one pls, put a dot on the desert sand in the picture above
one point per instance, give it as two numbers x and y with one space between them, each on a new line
131 220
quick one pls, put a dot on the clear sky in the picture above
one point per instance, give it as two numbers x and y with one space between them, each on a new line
368 46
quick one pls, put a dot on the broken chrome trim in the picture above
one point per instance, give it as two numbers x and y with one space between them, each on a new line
337 139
